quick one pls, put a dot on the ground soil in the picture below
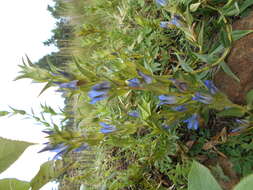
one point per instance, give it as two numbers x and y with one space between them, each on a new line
240 61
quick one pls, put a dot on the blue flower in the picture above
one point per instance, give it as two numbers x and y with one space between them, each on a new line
164 24
70 85
99 92
173 22
148 79
65 74
81 148
243 124
48 132
165 99
161 2
107 128
102 86
203 98
180 108
60 149
134 82
134 114
192 122
211 87
182 86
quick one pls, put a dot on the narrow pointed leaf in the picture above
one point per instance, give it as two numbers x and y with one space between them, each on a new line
48 85
228 71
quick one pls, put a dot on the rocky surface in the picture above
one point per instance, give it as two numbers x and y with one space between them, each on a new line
240 61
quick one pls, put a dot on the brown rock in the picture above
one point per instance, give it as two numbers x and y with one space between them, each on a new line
240 61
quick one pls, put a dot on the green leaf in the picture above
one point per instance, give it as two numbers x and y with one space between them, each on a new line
205 57
194 7
245 184
14 184
245 5
16 111
48 172
224 37
236 112
238 34
4 113
184 65
48 85
10 151
228 71
200 178
249 97
87 73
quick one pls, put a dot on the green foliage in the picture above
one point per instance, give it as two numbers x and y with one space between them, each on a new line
121 58
14 184
239 151
10 152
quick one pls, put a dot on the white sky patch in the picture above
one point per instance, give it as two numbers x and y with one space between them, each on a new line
24 26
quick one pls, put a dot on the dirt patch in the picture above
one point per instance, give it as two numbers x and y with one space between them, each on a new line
240 61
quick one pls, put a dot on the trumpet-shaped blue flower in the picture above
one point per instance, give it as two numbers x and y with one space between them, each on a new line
99 92
134 114
203 98
81 148
60 149
173 22
71 85
107 128
192 122
48 132
102 86
211 87
164 24
182 86
165 99
161 2
135 82
243 124
148 79
180 108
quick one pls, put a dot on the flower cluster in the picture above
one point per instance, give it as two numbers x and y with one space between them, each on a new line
99 92
106 128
